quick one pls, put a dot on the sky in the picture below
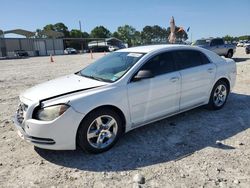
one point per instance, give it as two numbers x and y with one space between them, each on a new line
206 18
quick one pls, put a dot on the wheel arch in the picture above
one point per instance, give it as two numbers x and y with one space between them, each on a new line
230 50
115 108
224 79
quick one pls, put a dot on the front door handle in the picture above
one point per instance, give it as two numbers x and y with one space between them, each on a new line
174 79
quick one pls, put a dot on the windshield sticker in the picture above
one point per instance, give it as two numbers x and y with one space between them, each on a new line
134 55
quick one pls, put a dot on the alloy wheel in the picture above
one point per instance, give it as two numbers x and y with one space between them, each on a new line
220 95
102 131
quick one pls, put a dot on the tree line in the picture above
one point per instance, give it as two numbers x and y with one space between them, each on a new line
126 33
234 39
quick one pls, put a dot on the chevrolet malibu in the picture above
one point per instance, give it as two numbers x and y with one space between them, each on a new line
123 90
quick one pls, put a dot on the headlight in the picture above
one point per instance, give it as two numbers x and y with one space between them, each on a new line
51 112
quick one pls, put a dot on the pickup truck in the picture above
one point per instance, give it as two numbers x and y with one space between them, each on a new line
217 45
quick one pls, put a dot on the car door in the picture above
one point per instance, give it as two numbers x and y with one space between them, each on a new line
214 46
197 76
157 96
218 46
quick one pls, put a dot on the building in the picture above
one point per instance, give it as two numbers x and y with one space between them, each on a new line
51 42
32 45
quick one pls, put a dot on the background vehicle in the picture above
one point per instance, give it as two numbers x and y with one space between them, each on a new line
113 48
240 44
121 91
247 49
246 43
21 53
217 45
70 51
99 48
108 45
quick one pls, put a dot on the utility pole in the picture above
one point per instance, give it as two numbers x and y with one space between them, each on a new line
80 26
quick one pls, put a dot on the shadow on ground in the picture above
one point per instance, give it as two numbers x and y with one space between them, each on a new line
167 140
239 60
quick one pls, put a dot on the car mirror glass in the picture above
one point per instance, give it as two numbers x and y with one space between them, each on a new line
143 74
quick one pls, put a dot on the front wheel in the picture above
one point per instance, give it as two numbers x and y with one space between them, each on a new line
99 131
218 95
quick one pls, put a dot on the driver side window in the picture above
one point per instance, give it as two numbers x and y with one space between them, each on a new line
160 64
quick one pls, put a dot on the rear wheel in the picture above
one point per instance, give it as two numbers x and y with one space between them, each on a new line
99 131
230 54
218 95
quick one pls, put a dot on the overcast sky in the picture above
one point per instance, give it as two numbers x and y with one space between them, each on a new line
204 17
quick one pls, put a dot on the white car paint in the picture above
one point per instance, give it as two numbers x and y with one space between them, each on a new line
140 102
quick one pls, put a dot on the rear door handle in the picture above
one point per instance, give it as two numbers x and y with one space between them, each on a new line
210 70
174 79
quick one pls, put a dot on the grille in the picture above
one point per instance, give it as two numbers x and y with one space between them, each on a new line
20 112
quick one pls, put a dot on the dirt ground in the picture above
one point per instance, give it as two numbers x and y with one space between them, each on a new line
199 148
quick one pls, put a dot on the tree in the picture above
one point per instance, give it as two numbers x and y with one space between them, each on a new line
100 32
59 27
147 34
245 37
76 33
116 35
85 35
39 33
136 40
154 34
128 34
228 38
49 27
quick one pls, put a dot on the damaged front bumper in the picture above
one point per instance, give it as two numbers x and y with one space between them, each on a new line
36 140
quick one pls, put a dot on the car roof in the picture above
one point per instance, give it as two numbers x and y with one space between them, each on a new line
152 48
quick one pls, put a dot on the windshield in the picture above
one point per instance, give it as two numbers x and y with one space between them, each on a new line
111 67
202 42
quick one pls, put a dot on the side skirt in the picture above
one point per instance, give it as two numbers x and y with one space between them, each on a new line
165 116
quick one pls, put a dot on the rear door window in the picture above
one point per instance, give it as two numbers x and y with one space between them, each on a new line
205 59
188 58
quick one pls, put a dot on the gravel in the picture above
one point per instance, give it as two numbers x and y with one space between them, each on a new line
180 151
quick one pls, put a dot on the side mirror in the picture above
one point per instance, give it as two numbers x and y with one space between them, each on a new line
143 74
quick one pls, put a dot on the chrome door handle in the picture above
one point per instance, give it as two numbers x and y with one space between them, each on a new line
174 79
210 70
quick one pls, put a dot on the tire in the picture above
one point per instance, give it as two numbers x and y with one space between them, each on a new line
219 95
99 131
230 54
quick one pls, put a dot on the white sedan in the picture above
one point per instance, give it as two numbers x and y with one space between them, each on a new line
122 91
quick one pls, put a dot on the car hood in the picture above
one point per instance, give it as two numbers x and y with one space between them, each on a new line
61 86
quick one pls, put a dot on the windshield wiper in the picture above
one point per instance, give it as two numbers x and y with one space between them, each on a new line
96 78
